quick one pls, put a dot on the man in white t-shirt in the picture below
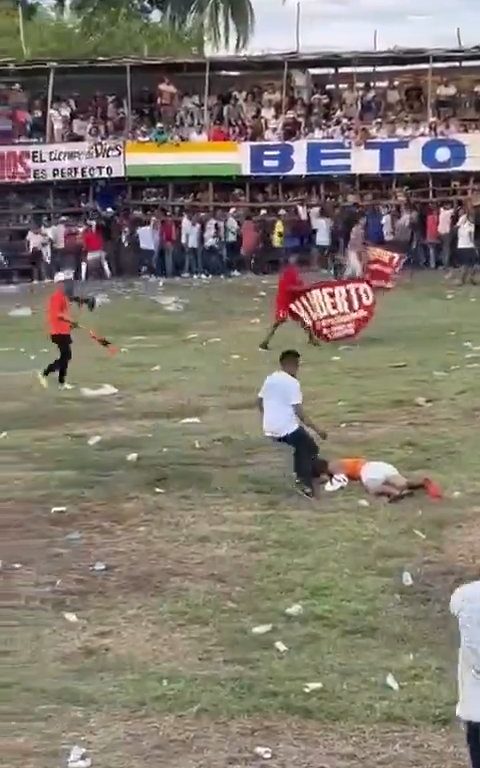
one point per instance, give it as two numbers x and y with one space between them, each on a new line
467 253
284 420
147 246
445 216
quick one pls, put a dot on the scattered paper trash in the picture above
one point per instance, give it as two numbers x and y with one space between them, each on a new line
191 420
310 687
192 336
132 457
155 368
102 391
212 341
33 357
94 439
73 536
423 402
99 567
264 752
391 682
78 758
294 610
262 629
419 534
20 312
3 435
440 374
159 490
335 359
17 566
55 510
137 338
280 647
71 617
455 494
363 503
197 444
255 321
101 298
407 579
235 357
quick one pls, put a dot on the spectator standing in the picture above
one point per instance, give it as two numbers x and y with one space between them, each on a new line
146 243
278 235
445 218
432 237
232 231
168 236
36 241
166 101
355 247
213 246
446 99
94 249
250 241
323 237
466 250
185 226
387 225
465 606
193 257
58 234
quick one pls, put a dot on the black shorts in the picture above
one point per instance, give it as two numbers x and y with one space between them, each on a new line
467 257
61 339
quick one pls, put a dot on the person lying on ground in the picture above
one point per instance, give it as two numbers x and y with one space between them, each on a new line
378 478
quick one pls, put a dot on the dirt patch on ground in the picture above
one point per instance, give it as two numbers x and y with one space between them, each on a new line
200 743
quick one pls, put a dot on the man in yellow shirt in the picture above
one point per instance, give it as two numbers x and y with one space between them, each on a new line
278 234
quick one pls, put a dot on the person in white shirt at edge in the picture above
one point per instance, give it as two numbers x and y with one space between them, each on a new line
146 243
356 243
193 256
185 225
232 232
445 233
58 234
387 225
284 420
213 243
36 241
467 253
323 239
465 606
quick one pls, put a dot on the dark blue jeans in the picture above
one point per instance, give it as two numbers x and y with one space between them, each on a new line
305 452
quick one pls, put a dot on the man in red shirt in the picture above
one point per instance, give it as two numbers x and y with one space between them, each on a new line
94 248
59 326
289 283
168 236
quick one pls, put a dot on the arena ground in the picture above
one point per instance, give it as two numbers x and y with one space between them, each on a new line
161 668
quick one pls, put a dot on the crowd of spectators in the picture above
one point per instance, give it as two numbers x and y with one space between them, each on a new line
200 243
163 114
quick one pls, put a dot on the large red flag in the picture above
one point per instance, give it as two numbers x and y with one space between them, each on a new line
382 267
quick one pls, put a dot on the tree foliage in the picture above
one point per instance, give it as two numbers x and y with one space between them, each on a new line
110 29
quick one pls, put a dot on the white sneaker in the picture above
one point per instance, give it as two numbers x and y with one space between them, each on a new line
195 277
42 379
235 273
204 276
185 274
66 385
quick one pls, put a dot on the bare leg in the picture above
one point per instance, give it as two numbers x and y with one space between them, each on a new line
270 334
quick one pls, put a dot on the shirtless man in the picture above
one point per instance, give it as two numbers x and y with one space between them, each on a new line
378 478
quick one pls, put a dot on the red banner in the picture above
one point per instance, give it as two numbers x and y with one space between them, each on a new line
334 309
15 164
382 267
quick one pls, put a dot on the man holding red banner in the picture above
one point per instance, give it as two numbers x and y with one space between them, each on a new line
289 284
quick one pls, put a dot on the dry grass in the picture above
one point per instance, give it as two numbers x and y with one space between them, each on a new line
161 669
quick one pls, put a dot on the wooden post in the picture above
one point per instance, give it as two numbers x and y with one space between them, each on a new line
247 191
430 87
206 92
129 97
51 81
284 89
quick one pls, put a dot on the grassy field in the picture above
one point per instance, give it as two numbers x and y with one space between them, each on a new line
204 538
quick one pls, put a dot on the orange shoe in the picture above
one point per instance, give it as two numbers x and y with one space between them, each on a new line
432 489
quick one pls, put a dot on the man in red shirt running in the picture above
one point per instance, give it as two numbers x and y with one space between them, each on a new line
94 247
289 282
60 325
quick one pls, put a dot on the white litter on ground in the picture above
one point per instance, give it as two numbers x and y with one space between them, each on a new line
159 490
335 359
363 503
78 758
212 341
55 510
137 338
3 435
155 368
280 647
20 312
294 610
419 534
423 402
192 336
262 629
132 457
103 391
391 682
310 687
102 298
71 617
407 579
197 444
264 752
94 439
99 567
191 420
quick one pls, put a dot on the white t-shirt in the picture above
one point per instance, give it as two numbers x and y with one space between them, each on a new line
466 232
35 241
280 392
446 91
57 234
145 238
387 227
445 221
323 227
231 230
185 229
193 240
